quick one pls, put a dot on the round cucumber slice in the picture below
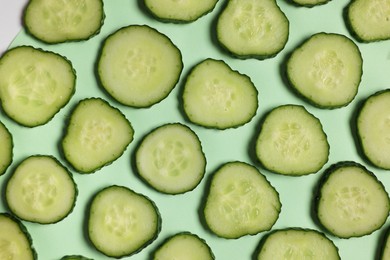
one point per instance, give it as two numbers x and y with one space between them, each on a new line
6 148
139 66
62 21
122 222
41 190
34 84
292 142
326 70
351 201
170 159
240 202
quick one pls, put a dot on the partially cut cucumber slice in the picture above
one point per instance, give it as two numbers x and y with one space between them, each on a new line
97 134
184 11
326 70
216 96
6 148
252 28
369 20
373 128
34 84
297 244
15 240
122 222
351 201
41 190
292 142
139 66
240 202
61 21
170 159
184 245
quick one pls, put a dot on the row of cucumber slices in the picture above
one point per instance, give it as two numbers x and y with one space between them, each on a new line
326 70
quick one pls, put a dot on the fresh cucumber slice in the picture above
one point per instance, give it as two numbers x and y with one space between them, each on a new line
373 126
62 21
309 3
240 202
326 70
216 96
97 134
297 243
34 84
351 201
170 159
384 249
179 11
292 141
252 28
139 66
368 20
15 240
122 222
41 190
6 148
184 245
75 257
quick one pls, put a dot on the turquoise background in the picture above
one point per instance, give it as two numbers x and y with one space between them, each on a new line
181 212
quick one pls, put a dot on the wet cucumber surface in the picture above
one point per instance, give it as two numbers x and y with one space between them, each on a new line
197 41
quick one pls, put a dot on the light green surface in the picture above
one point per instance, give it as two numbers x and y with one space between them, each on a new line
196 42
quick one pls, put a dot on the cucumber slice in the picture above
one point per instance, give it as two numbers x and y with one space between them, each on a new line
252 28
62 21
75 257
368 20
34 84
97 134
351 201
373 126
297 243
170 159
41 190
326 70
139 66
240 202
184 245
384 250
215 96
6 148
184 11
309 3
292 142
122 222
15 240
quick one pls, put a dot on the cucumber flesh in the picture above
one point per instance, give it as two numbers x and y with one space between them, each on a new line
139 66
240 202
252 28
179 11
184 245
34 84
326 70
122 222
170 159
310 3
297 243
351 201
97 134
41 190
216 96
75 257
61 21
292 142
6 148
369 20
15 241
385 247
373 126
